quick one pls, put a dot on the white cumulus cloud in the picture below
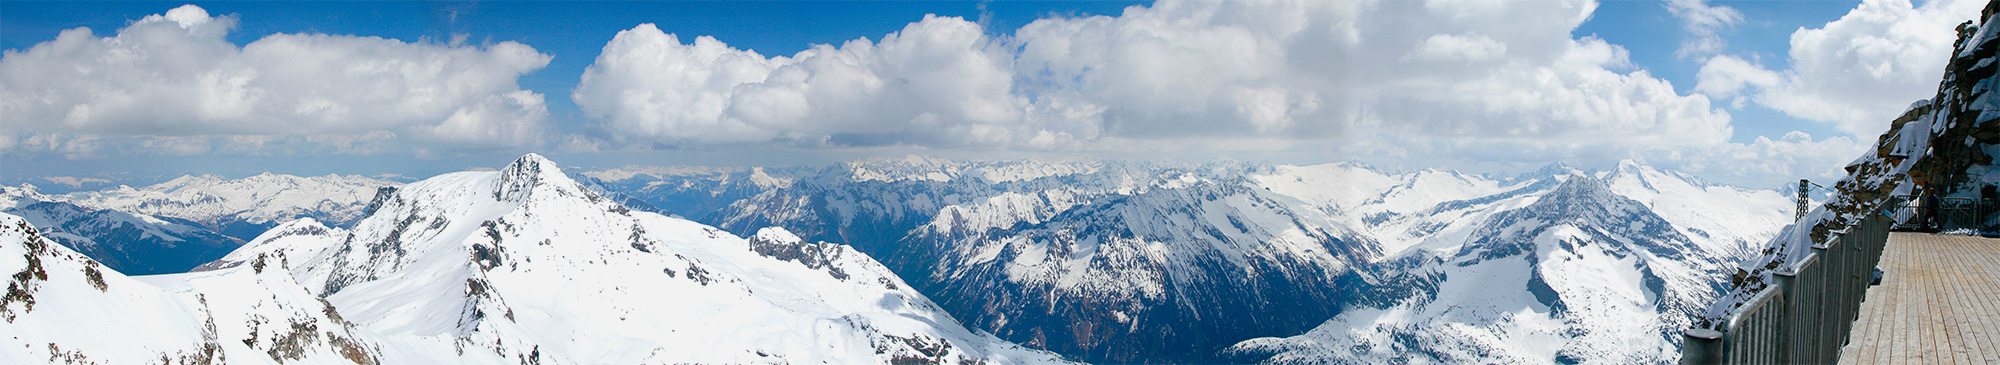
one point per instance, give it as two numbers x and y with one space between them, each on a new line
939 79
1857 72
1196 72
174 82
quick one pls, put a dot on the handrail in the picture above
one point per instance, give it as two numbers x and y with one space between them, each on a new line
1807 312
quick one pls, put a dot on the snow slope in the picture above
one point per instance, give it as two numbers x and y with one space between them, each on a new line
300 239
1400 211
1725 219
62 307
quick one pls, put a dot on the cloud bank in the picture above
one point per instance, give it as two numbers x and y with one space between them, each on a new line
1194 72
172 84
1422 82
1413 81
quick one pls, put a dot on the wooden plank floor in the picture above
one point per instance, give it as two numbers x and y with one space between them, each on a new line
1938 304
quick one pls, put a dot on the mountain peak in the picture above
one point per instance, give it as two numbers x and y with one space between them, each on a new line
1628 164
520 177
1582 186
532 162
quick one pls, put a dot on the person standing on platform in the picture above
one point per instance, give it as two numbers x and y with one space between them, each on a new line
1931 206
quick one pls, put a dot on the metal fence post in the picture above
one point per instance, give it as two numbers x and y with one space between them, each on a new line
1701 347
1795 317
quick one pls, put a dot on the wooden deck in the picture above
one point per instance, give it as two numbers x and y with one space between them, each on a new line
1938 304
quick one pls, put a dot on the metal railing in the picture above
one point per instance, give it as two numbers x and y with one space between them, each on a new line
1953 213
1805 316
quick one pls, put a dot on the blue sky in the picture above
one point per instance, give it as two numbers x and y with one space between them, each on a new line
1652 34
1318 118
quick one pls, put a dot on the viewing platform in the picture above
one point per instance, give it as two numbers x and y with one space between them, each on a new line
1939 303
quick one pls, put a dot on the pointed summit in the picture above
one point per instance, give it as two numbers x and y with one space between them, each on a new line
1625 168
519 178
1629 164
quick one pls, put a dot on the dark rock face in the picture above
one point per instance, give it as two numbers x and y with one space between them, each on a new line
382 195
816 256
1968 126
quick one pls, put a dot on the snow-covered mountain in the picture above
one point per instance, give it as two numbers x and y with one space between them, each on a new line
1148 261
1607 271
1157 274
63 307
525 264
521 265
1109 261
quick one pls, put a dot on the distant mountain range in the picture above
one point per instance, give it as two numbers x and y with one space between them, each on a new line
176 225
